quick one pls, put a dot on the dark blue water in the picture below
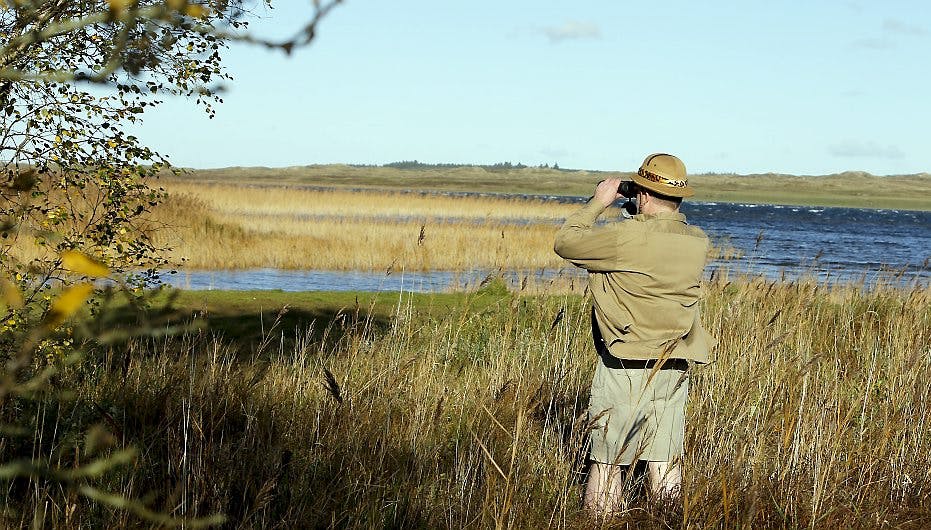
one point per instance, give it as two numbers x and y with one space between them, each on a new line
828 244
843 243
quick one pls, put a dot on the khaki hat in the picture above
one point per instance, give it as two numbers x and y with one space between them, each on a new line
665 175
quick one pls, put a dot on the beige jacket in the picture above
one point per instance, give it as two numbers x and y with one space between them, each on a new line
645 278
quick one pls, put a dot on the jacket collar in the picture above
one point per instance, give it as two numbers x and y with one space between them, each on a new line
662 216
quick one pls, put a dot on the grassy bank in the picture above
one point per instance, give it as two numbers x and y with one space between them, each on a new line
467 410
855 189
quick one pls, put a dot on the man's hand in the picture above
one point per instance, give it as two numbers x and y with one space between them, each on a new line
606 191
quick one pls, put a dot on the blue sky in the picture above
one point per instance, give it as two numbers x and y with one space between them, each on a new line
750 86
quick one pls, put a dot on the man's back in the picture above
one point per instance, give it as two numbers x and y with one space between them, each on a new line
645 280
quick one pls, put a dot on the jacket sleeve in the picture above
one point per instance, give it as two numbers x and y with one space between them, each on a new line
583 244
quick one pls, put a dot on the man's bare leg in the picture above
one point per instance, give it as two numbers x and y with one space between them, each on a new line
604 491
665 479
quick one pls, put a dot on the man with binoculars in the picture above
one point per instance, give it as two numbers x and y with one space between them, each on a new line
645 277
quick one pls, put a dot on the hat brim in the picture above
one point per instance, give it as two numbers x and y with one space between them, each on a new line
669 191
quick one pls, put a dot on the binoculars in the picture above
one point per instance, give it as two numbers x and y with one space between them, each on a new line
629 190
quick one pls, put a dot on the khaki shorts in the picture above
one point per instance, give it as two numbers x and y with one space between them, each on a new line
637 417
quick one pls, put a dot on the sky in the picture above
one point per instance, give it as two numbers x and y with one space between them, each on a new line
745 86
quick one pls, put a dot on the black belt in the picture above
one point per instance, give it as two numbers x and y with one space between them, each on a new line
639 364
668 364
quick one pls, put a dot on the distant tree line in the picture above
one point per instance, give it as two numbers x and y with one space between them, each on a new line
500 166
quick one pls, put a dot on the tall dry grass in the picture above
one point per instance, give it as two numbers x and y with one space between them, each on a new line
815 414
282 201
232 227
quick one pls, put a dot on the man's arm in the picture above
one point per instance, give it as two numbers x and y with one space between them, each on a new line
594 249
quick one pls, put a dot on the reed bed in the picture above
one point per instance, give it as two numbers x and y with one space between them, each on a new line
815 414
337 245
237 227
271 201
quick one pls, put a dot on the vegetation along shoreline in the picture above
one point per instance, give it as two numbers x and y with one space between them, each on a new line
855 189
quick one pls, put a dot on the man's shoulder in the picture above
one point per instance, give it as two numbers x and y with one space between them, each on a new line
696 231
671 223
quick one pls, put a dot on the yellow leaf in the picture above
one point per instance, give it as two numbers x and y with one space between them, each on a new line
80 263
118 6
11 295
196 11
67 303
177 5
